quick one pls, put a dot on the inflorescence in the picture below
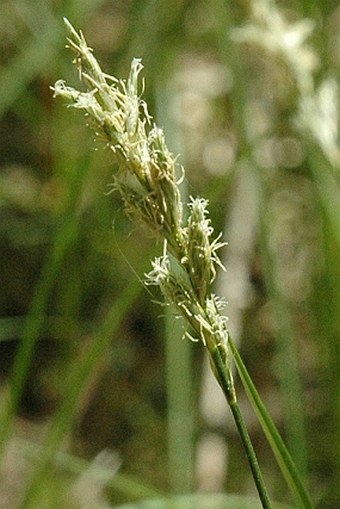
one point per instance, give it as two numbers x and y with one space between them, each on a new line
148 180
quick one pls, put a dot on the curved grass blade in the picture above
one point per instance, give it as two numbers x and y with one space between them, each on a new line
79 377
282 454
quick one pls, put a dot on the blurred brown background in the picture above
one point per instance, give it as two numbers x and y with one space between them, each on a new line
247 94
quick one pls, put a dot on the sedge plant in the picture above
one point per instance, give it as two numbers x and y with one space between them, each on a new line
148 180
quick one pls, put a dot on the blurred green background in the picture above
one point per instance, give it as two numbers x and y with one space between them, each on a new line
100 379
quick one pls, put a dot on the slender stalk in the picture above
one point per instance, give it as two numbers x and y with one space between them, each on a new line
283 457
251 455
180 413
179 354
225 381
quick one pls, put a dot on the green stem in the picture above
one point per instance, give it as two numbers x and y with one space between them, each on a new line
251 455
180 411
224 377
283 457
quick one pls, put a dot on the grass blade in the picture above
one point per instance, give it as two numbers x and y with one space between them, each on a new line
80 375
282 454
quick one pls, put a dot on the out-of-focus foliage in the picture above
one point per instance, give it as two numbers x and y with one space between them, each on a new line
247 93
